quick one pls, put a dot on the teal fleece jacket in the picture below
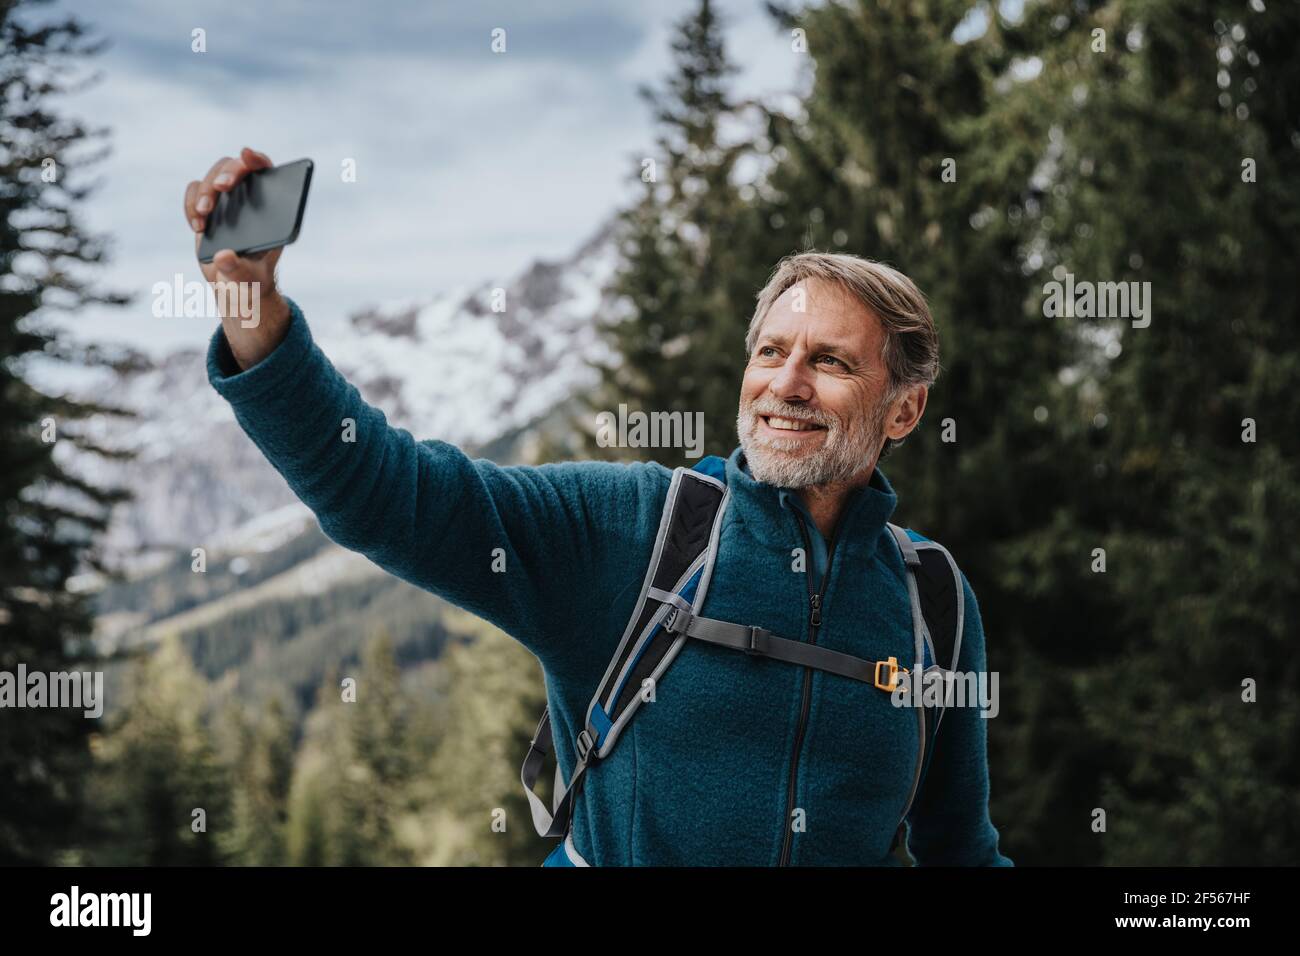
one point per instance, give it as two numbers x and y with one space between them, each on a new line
703 774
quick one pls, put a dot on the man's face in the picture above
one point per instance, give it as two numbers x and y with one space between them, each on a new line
812 409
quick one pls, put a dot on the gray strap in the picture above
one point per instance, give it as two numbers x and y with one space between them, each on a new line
668 597
564 803
762 642
538 749
554 822
906 545
912 561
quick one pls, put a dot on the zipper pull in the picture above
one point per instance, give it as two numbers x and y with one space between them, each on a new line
816 610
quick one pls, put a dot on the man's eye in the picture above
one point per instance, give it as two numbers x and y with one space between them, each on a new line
832 358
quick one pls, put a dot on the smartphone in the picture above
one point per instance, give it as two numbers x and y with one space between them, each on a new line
263 211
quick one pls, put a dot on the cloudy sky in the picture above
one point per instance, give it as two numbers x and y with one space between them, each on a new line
469 164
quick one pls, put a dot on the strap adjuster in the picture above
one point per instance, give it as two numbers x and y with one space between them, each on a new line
585 744
892 665
753 641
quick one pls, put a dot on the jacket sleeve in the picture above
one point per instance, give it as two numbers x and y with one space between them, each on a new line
511 544
949 825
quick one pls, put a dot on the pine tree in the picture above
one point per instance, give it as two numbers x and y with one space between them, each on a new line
674 337
316 833
260 769
350 801
382 768
491 693
51 515
158 792
1175 162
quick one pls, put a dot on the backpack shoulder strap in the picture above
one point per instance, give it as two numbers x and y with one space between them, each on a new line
942 599
680 567
938 618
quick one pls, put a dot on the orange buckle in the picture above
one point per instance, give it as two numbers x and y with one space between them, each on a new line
892 664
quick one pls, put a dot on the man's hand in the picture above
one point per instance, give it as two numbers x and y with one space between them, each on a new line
253 313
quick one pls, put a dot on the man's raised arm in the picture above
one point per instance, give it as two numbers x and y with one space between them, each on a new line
513 545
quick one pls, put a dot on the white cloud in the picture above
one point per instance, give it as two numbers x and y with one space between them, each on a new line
469 164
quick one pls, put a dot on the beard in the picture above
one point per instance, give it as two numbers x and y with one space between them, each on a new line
848 448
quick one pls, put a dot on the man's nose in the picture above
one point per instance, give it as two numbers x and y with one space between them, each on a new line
793 381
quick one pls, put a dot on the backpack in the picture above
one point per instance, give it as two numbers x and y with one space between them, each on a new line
664 619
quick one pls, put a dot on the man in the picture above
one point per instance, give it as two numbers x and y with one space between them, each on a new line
739 760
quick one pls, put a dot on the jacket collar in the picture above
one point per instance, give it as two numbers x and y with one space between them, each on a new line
759 506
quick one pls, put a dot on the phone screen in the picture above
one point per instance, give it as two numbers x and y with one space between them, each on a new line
263 211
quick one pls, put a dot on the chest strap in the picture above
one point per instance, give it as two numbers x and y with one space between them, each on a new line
763 643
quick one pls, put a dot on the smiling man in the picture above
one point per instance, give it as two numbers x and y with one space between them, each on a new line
842 353
751 613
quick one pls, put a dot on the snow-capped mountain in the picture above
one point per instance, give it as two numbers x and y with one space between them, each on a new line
451 367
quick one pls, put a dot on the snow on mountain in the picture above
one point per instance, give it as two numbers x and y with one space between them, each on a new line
455 369
451 368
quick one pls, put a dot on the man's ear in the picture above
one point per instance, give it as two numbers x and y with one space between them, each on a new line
906 412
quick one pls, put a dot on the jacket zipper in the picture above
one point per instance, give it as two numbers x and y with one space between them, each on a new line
814 622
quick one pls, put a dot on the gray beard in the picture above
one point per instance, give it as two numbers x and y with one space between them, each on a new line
774 461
